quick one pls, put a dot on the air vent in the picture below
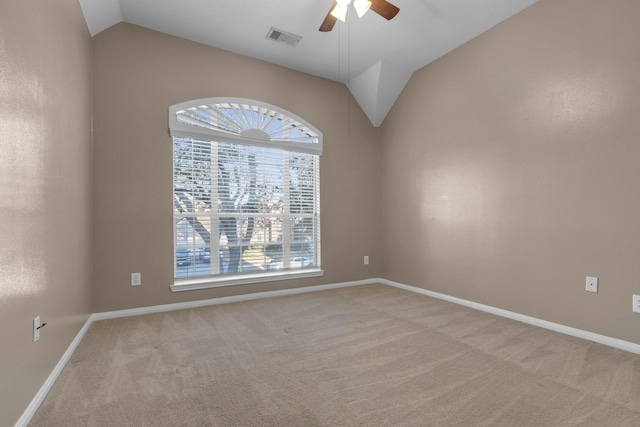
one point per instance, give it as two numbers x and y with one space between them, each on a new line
283 37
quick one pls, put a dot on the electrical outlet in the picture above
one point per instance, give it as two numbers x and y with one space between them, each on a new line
591 284
136 279
636 303
36 329
366 260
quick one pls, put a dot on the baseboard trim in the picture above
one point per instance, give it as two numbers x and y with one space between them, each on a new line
567 330
226 300
24 420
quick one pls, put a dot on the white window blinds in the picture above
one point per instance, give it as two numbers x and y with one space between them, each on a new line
243 208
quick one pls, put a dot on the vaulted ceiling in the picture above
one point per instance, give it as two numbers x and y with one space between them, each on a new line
374 57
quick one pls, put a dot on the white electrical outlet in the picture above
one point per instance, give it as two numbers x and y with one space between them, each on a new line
136 279
636 303
36 329
366 260
591 284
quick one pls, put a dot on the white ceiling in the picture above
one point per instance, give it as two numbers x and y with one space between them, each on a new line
374 57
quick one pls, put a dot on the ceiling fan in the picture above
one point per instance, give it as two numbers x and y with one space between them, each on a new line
339 11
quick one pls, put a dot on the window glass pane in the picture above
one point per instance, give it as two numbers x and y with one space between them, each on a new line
193 231
253 258
302 183
192 175
302 242
274 256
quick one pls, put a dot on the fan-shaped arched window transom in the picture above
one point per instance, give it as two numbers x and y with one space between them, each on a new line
246 193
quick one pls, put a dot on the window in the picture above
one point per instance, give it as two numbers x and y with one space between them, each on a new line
246 193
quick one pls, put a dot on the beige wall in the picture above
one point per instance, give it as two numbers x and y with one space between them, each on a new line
138 75
508 171
45 174
511 168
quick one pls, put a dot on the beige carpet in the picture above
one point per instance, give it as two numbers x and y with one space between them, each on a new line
362 356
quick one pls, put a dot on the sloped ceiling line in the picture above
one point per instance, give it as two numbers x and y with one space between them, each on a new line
382 55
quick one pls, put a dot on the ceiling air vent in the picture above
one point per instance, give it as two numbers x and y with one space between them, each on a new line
283 37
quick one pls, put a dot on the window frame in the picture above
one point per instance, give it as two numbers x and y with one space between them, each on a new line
311 144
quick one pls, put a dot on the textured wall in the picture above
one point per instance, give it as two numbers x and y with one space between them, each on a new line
138 75
511 168
45 174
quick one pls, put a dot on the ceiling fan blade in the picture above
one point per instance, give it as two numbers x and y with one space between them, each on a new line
329 21
384 8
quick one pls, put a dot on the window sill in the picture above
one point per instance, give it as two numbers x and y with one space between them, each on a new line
217 282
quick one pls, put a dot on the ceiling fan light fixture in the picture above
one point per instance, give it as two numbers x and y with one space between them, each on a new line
340 12
361 7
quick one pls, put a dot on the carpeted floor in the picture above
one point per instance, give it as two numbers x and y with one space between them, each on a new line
362 356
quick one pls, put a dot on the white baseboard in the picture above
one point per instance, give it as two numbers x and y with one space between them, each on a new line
226 300
37 400
24 420
567 330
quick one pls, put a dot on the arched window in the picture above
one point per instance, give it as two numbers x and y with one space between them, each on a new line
246 193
